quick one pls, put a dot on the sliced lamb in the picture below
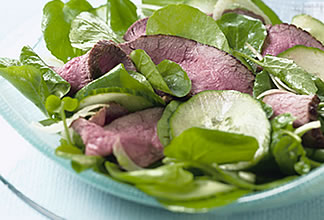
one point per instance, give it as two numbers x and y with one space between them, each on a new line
104 56
208 67
303 107
107 114
136 30
98 142
284 36
136 133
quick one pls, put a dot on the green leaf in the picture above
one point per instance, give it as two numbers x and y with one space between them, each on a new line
294 76
204 205
166 175
56 25
286 147
145 65
206 6
53 104
288 72
163 127
240 30
211 146
187 22
167 77
175 77
55 83
6 62
87 29
70 104
80 162
29 81
122 15
142 79
268 12
262 83
196 190
103 12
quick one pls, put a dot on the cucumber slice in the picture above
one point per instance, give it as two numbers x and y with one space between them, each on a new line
309 58
310 24
223 5
228 111
131 99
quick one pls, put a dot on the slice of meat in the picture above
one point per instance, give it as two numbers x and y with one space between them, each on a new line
284 36
208 67
76 72
136 133
107 114
104 56
304 108
98 142
242 11
136 30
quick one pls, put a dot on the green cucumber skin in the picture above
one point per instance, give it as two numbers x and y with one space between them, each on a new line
309 58
310 24
125 97
193 114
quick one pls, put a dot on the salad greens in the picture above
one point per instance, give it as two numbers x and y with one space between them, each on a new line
214 143
177 20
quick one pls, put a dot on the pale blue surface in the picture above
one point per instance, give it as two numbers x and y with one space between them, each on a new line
62 192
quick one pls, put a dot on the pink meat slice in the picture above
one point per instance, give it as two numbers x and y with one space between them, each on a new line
208 67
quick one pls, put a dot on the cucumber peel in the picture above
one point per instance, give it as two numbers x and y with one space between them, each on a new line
310 24
129 98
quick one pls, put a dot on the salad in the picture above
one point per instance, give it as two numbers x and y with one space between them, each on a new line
196 103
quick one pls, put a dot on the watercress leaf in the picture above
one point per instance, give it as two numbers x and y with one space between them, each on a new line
187 22
268 12
290 73
142 79
87 29
262 83
29 81
206 6
80 162
267 109
55 83
287 152
5 62
167 175
204 205
56 25
145 65
53 104
211 146
283 121
175 77
320 86
163 126
70 104
195 190
122 15
103 12
240 30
